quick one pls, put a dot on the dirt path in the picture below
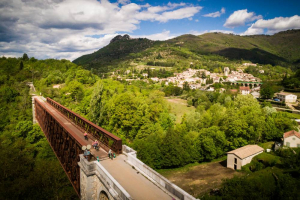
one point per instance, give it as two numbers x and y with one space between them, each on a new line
200 179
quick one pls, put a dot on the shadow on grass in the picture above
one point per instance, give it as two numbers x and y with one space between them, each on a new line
223 163
254 55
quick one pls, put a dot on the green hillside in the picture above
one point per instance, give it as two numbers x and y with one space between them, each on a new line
280 49
118 49
283 47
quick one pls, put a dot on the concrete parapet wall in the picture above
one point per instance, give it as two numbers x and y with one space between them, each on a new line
34 121
155 177
94 179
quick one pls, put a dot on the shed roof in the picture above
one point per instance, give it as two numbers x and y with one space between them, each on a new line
291 133
285 93
246 151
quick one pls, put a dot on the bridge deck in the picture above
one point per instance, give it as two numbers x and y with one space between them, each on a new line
134 183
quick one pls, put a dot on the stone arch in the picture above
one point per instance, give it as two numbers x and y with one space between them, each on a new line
103 195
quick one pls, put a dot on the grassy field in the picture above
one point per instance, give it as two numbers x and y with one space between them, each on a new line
179 108
294 115
266 145
198 179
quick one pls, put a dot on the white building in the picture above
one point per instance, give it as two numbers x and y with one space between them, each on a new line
291 139
245 90
255 94
155 79
287 97
226 71
145 75
242 156
211 89
249 64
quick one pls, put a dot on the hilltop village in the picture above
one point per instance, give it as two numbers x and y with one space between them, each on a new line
205 80
200 78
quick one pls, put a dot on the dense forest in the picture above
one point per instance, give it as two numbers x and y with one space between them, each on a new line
29 168
292 82
136 112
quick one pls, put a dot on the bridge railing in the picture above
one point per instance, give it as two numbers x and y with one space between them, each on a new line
107 139
155 177
64 145
105 177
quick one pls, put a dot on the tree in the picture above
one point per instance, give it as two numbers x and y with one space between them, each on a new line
159 56
186 86
96 104
21 65
75 89
25 57
172 150
211 142
245 100
266 91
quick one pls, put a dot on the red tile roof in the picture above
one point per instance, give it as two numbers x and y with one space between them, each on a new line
244 88
233 91
291 133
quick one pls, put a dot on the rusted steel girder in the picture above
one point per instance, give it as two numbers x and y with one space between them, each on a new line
64 145
109 140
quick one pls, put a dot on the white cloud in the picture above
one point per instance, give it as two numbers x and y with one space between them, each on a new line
63 28
161 14
274 25
215 14
253 31
198 32
69 47
165 35
210 31
123 2
240 17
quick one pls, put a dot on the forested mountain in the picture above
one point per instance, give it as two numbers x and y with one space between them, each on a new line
279 49
118 49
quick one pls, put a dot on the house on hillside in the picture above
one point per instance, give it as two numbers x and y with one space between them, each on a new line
287 97
233 91
226 71
242 156
291 139
245 90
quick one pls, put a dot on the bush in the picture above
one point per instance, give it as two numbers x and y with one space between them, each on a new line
261 161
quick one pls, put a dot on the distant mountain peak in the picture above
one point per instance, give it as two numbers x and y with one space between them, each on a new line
120 37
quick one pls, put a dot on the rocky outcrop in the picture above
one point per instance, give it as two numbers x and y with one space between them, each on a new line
120 37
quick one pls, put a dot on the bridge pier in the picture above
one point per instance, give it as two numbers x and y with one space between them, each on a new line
96 183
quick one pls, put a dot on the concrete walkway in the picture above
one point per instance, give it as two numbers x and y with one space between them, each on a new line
139 187
133 182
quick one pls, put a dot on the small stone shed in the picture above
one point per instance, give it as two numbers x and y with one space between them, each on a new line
291 139
242 156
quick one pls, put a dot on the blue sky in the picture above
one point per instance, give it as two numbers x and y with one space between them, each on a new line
71 28
268 9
